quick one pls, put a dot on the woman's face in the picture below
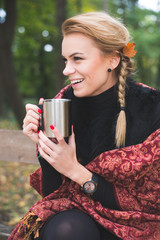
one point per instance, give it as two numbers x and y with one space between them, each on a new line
86 66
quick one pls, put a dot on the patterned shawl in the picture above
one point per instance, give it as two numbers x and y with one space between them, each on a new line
135 174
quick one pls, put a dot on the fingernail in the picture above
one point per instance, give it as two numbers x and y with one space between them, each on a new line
38 131
41 98
39 110
52 127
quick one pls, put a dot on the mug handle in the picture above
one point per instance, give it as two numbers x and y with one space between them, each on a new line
41 126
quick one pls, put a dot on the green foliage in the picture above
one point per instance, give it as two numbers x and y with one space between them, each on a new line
8 122
146 34
144 26
35 68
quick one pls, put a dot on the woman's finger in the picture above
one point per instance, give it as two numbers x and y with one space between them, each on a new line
33 114
58 135
32 107
31 119
47 141
45 156
41 101
46 149
30 129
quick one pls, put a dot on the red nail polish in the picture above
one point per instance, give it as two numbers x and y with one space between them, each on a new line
52 127
39 110
38 131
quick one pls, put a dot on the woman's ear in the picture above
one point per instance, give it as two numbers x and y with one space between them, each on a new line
114 61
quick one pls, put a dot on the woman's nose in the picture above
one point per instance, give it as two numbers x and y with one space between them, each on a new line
69 69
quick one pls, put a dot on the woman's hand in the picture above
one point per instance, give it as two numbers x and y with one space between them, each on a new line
62 156
31 121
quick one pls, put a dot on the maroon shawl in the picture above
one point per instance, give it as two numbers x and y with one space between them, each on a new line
135 174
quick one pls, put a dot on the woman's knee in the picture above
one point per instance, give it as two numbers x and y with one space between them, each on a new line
70 224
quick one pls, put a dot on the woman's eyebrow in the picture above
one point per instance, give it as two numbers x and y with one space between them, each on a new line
73 54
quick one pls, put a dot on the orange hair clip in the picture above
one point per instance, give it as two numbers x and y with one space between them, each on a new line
128 50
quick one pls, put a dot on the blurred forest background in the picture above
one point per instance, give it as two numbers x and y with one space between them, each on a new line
31 67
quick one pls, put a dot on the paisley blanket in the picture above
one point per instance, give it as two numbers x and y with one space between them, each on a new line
135 173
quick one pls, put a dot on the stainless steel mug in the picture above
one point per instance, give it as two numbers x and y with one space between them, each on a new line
57 112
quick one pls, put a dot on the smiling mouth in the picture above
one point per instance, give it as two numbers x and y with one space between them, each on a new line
77 81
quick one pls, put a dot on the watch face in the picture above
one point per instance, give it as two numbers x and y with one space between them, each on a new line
89 187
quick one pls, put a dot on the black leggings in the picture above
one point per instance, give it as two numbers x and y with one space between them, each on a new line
71 225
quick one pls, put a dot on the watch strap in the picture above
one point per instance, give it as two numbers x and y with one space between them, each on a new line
95 178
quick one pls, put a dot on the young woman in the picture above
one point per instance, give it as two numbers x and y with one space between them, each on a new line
104 183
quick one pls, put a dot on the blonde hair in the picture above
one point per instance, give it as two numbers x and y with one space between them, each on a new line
110 36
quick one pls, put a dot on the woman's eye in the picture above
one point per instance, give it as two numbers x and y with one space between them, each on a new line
77 58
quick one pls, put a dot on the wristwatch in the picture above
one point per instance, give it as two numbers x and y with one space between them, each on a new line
90 185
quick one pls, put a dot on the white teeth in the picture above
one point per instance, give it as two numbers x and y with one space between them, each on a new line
76 81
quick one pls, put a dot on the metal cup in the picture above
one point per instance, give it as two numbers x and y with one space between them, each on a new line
57 112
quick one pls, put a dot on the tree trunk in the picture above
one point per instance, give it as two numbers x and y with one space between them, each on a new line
61 16
6 62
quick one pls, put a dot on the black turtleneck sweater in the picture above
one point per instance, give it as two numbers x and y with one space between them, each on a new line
94 120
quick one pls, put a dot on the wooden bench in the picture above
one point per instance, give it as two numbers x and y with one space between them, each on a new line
15 147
